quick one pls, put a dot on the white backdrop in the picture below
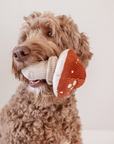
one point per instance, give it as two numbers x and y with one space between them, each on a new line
96 18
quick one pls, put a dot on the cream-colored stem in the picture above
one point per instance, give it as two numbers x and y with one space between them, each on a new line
41 70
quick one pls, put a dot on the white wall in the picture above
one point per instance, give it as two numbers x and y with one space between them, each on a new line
96 18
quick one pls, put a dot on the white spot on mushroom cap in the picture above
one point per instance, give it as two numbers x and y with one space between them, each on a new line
77 59
76 62
74 83
72 71
69 86
61 92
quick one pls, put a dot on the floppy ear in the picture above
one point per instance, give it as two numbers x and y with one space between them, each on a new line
71 38
83 50
69 33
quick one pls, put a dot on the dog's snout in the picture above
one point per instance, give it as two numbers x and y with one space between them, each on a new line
21 53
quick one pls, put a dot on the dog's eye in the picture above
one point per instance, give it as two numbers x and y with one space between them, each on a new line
49 34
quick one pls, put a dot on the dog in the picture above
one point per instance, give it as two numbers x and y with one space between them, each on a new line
34 115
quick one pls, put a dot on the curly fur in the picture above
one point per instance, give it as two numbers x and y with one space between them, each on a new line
35 115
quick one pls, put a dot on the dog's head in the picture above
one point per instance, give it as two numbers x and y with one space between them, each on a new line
45 35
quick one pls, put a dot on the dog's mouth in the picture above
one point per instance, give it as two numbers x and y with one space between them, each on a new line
35 73
36 83
32 74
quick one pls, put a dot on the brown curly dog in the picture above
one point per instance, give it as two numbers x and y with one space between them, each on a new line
34 115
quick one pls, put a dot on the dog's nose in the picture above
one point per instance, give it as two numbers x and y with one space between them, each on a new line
21 53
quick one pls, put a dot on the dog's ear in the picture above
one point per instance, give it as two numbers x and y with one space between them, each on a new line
71 38
69 33
27 26
83 50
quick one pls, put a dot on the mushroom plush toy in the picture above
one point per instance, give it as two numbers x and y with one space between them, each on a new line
64 73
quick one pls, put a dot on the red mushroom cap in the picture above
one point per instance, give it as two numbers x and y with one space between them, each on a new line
73 74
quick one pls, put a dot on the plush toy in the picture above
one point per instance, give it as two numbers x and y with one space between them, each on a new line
64 73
